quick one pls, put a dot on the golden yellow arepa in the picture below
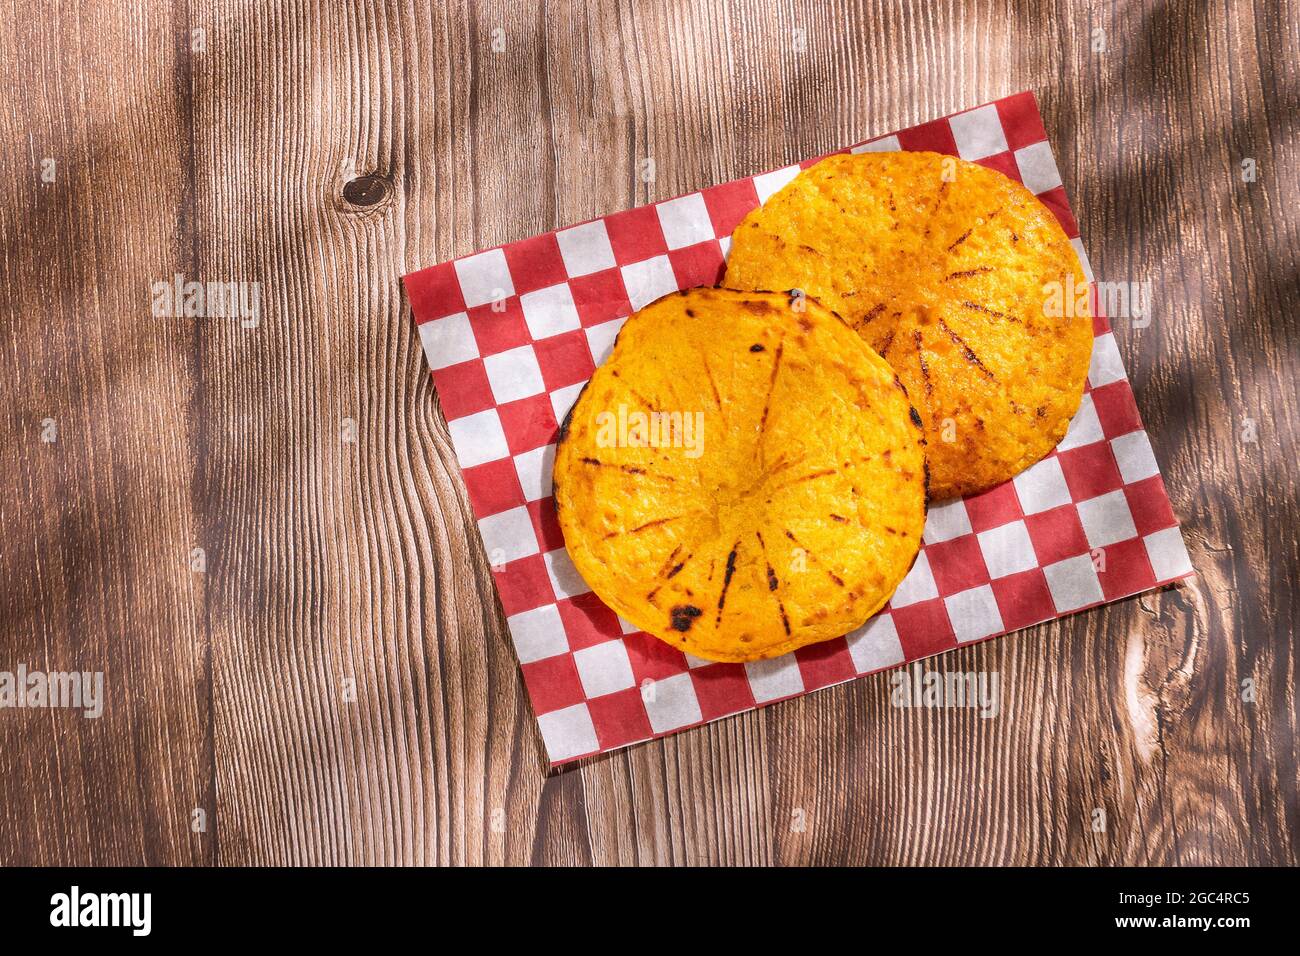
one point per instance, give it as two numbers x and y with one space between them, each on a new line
743 476
959 277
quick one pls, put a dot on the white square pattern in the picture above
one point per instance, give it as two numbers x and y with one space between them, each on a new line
671 703
562 399
1038 168
484 277
1007 549
585 249
978 133
538 634
974 614
508 536
774 678
1085 427
1073 583
600 339
685 221
478 438
568 733
565 579
534 471
1077 243
886 144
917 586
549 311
604 668
1106 365
875 645
1042 487
1106 519
648 280
946 521
1168 554
514 374
448 341
1135 458
768 184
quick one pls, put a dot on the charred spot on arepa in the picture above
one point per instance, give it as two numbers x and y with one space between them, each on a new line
682 616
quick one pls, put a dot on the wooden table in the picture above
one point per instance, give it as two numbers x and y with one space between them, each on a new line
261 537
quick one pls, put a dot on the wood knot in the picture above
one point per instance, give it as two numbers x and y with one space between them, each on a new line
366 191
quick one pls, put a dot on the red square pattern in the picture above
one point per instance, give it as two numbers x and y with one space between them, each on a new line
935 136
535 263
722 689
600 297
1023 599
1057 534
620 718
463 389
957 564
825 664
494 487
499 329
1090 470
924 628
1021 124
529 423
993 508
435 292
1149 503
1116 409
652 659
1126 569
1005 163
524 585
700 264
545 524
1054 199
564 359
635 235
553 683
588 621
729 204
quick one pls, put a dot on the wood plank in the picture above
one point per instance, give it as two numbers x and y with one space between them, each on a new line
99 521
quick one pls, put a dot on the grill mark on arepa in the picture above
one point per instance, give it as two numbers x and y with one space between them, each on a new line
726 580
920 354
773 583
771 384
626 469
814 559
976 307
967 352
967 273
649 524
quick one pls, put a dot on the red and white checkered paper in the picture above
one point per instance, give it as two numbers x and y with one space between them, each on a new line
514 332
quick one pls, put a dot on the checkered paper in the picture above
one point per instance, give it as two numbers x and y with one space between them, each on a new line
513 333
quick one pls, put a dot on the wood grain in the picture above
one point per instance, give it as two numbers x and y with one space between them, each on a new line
337 685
